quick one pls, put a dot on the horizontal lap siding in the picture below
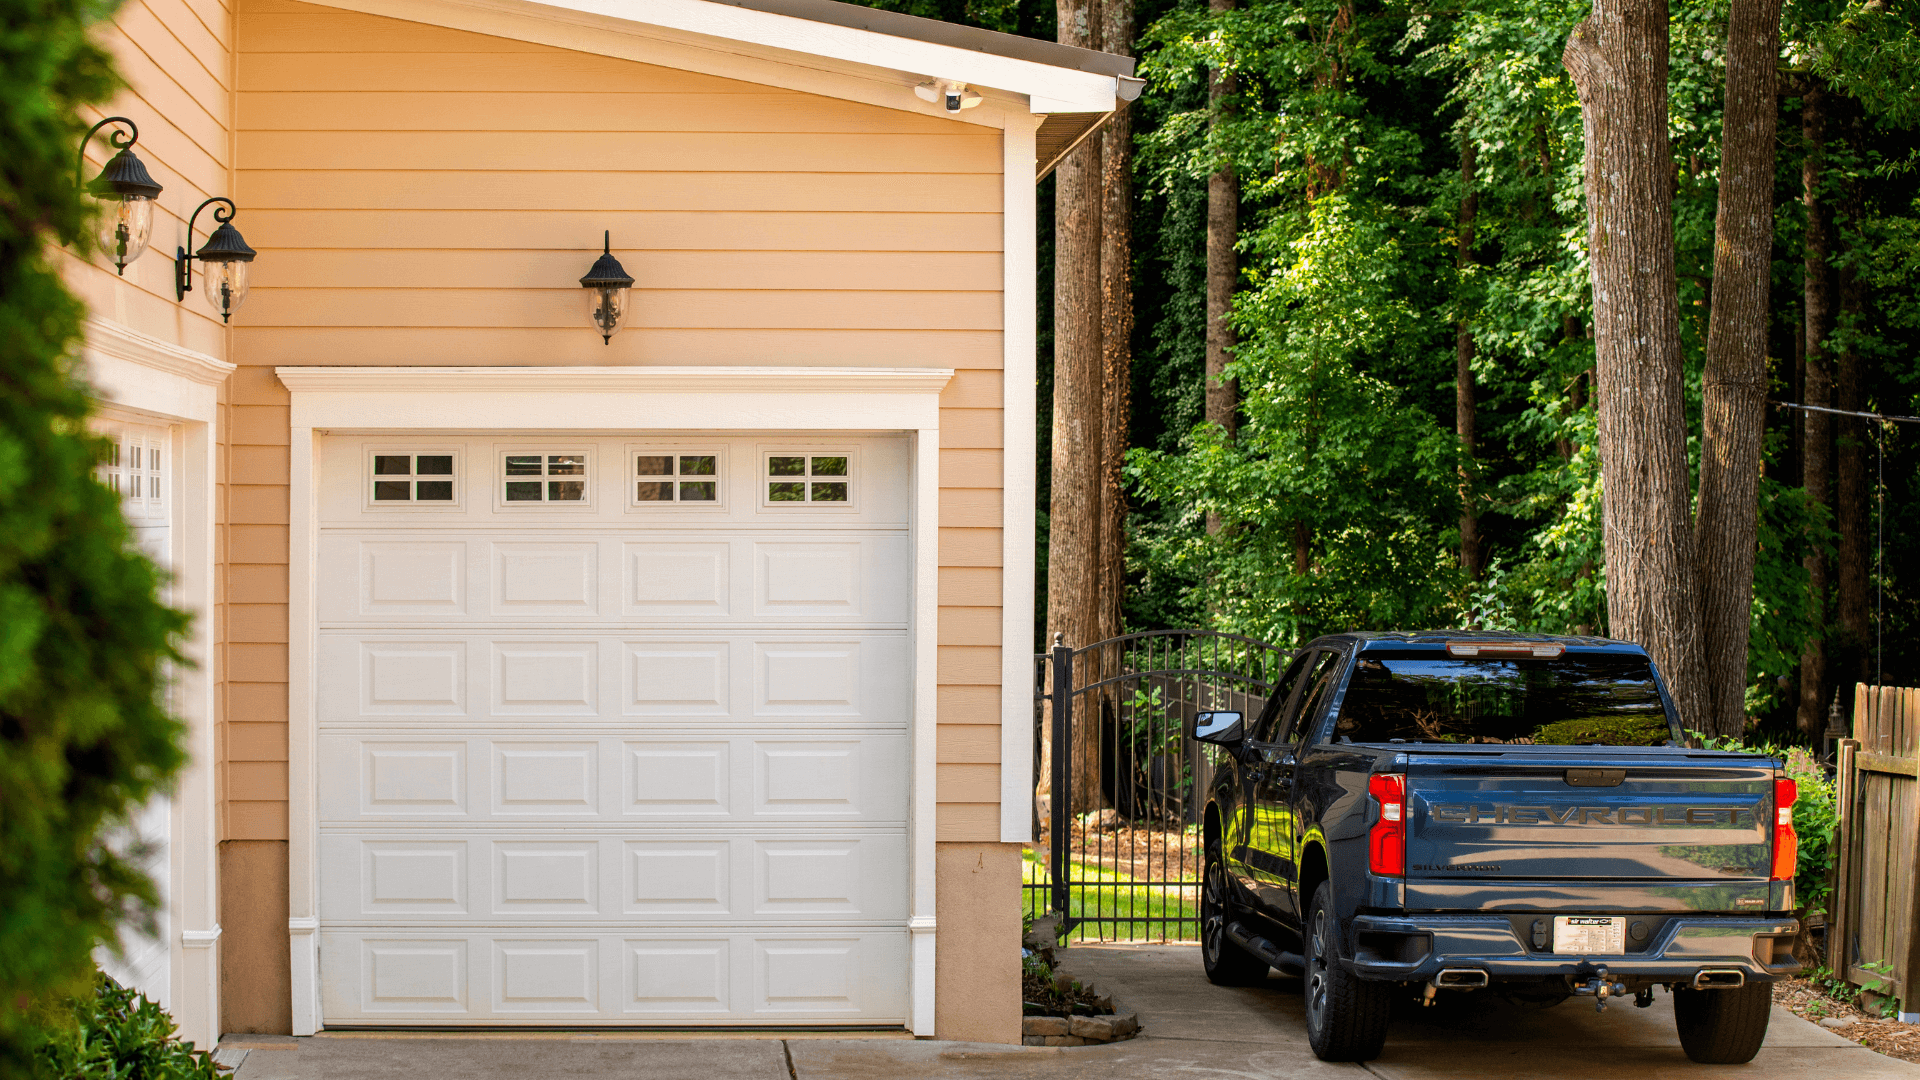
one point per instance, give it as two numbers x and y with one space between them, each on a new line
176 57
428 196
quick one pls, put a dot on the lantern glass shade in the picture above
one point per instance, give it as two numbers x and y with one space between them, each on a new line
224 284
607 308
126 224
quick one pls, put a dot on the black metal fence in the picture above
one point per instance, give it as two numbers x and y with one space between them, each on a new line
1122 788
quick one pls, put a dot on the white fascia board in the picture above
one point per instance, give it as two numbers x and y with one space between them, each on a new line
597 26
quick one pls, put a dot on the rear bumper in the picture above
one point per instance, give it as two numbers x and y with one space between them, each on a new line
1414 948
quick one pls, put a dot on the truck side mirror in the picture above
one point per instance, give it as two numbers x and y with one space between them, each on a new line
1224 728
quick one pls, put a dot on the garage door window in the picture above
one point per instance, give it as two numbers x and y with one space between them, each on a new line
396 479
668 477
545 477
809 478
132 469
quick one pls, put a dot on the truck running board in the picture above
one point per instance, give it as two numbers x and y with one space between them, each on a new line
1288 963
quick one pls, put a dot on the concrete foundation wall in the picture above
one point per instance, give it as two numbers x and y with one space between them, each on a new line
256 985
977 988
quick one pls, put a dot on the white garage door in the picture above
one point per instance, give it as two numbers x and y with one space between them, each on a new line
613 730
138 465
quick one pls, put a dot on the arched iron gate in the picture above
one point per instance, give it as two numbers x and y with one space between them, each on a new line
1118 818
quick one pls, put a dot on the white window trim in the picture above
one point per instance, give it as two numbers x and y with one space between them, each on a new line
336 400
150 380
677 448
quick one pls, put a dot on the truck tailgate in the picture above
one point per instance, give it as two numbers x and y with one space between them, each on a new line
1588 828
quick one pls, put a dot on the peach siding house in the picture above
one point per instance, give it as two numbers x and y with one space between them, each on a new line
675 678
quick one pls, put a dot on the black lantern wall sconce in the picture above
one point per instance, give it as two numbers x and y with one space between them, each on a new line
123 184
608 287
225 255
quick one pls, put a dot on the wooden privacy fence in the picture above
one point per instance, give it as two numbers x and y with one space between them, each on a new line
1873 929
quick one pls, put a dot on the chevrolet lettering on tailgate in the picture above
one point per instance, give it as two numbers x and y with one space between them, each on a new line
1511 814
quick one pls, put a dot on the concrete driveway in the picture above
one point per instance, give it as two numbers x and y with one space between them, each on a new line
1191 1031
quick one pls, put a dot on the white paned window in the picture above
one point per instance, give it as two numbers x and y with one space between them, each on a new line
530 477
662 476
135 468
809 478
397 478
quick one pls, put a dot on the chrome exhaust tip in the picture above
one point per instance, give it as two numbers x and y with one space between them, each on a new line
1460 978
1719 979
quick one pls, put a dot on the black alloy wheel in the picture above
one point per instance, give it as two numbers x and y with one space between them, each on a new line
1346 1015
1227 963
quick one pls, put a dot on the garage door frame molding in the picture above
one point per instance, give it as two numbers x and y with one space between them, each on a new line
420 400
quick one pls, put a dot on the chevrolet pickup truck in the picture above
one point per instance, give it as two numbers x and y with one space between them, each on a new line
1439 813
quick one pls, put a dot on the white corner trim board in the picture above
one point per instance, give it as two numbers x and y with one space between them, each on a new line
415 401
1018 407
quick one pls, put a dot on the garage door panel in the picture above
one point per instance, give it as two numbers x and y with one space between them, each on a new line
386 578
399 975
678 678
544 579
844 777
678 579
850 975
830 580
545 677
678 780
851 677
789 577
393 779
693 677
540 877
545 779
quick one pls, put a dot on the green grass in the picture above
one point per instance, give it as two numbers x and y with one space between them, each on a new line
1106 894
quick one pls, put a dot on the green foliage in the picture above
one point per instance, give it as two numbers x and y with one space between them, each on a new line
113 1033
84 736
1815 814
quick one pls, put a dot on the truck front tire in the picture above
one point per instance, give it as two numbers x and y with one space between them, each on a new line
1227 963
1723 1027
1346 1015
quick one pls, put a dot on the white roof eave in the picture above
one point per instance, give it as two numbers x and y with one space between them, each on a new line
1048 88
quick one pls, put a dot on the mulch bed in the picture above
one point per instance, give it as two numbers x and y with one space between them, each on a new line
1889 1037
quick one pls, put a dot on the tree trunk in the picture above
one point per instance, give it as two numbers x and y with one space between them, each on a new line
1073 595
1223 226
1734 383
1618 60
1116 304
1463 418
1816 454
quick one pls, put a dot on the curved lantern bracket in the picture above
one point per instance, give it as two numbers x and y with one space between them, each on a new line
183 262
114 139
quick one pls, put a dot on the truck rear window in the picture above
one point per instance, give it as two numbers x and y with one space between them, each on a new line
1567 700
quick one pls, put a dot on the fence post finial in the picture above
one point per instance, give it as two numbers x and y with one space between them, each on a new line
1056 639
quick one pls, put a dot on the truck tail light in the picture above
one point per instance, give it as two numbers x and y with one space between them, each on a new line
1387 840
1786 842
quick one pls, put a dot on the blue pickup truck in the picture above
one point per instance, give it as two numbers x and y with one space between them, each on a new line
1417 814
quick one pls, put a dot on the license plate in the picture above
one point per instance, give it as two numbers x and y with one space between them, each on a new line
1591 934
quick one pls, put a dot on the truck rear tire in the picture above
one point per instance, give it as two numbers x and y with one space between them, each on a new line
1723 1027
1346 1015
1227 963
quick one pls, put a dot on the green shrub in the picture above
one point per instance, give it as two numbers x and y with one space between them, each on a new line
114 1033
84 642
1814 814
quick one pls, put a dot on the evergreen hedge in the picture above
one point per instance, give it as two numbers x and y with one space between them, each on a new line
85 737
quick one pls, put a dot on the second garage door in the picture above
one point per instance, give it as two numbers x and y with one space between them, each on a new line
613 730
